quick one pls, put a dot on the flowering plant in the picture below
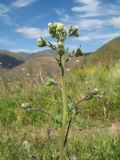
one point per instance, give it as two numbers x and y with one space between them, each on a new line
59 32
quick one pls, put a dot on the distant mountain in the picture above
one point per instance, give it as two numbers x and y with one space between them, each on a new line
9 60
22 56
42 64
36 68
44 53
107 54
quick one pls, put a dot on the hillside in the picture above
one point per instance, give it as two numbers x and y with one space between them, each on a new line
43 64
9 60
44 53
23 56
37 68
107 54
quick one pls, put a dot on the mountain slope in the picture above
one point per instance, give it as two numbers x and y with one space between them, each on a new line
107 54
9 60
38 68
42 64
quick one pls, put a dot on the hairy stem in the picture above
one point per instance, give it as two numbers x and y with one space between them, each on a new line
64 120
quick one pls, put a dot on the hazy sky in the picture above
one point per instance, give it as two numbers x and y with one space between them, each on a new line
23 21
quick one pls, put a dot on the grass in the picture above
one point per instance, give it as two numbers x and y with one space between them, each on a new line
23 134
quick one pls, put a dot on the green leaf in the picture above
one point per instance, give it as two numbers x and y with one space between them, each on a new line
53 47
58 119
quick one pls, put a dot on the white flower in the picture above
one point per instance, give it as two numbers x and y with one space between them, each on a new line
49 24
26 145
60 43
60 27
67 69
23 69
26 104
73 157
0 63
96 89
76 27
28 74
86 82
77 60
55 24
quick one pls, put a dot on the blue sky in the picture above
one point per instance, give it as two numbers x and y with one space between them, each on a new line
23 21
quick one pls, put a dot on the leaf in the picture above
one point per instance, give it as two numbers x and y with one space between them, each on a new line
58 119
53 47
67 59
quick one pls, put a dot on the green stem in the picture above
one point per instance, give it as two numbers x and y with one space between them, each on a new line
64 120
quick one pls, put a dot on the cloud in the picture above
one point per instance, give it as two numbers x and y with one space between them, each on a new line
4 9
83 24
87 7
98 36
93 15
20 50
60 12
90 24
92 8
22 3
115 22
106 36
84 38
32 33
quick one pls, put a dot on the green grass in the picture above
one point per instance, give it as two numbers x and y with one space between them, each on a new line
18 126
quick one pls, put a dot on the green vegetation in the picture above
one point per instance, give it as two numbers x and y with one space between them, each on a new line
78 52
95 130
88 95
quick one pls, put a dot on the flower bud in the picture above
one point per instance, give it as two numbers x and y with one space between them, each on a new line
26 104
49 24
60 27
41 42
55 24
74 31
76 27
60 44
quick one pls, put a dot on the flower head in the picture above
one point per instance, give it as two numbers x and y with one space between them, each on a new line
73 31
26 145
26 104
59 27
23 69
49 24
76 27
41 42
60 44
55 26
77 60
67 69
